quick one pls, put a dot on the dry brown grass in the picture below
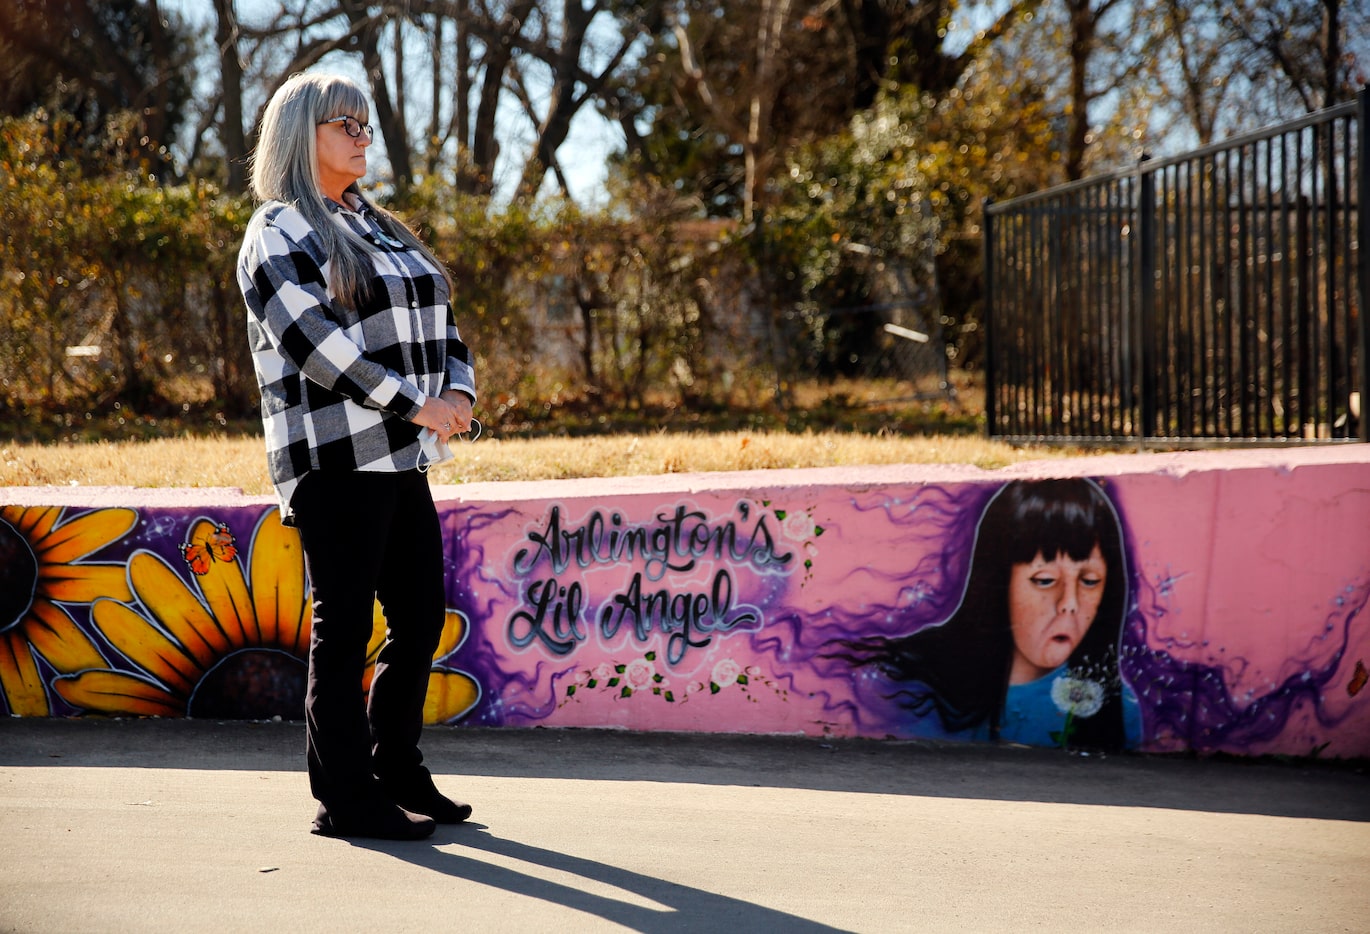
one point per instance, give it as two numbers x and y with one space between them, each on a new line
240 461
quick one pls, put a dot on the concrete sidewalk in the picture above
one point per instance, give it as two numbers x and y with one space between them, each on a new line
185 826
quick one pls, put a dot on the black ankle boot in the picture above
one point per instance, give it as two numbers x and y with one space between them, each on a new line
415 791
381 821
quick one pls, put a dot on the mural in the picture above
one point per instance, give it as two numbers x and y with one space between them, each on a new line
1030 651
1157 611
185 624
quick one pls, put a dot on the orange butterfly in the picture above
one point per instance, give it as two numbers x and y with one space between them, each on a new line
218 543
1358 679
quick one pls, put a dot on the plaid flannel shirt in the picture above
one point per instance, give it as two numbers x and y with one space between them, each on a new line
339 386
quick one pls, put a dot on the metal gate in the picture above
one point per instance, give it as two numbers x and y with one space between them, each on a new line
1210 298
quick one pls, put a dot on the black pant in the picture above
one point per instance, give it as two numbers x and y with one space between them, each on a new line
367 536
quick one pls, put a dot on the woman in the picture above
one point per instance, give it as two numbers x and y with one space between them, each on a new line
1031 653
356 353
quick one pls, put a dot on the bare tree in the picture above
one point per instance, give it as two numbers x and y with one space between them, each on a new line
1315 50
1278 59
1099 60
574 80
1197 67
388 110
745 114
500 31
232 134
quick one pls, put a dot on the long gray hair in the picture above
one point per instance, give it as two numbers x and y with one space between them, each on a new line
285 167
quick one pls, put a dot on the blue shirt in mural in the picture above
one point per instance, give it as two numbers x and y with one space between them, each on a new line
1035 714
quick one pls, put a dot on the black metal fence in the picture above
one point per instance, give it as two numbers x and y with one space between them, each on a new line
1214 297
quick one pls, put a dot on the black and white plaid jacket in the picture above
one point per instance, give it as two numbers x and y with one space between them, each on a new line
339 386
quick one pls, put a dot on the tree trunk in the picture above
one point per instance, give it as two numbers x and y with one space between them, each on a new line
1082 27
231 132
500 46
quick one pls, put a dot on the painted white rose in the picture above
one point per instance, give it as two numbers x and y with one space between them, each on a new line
798 526
639 673
725 673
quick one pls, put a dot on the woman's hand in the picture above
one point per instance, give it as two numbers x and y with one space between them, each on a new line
444 416
461 402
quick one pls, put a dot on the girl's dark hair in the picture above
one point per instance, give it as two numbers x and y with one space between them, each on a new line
960 668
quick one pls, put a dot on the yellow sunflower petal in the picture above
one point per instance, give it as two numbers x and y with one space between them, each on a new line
451 694
306 630
33 521
55 636
225 591
146 646
177 609
85 534
114 692
373 647
453 632
84 583
279 590
378 633
19 677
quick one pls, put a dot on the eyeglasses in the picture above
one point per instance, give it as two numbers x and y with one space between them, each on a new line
351 125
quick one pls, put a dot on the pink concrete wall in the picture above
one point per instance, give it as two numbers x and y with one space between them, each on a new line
768 602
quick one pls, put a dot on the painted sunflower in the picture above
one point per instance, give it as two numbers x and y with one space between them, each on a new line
40 568
241 652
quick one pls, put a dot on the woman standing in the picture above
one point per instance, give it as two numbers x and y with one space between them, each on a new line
356 352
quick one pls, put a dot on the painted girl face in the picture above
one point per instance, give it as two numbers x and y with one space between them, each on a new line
1051 605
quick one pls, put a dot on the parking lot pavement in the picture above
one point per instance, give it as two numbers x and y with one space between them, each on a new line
186 826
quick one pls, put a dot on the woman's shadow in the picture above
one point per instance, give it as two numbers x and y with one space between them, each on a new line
686 908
